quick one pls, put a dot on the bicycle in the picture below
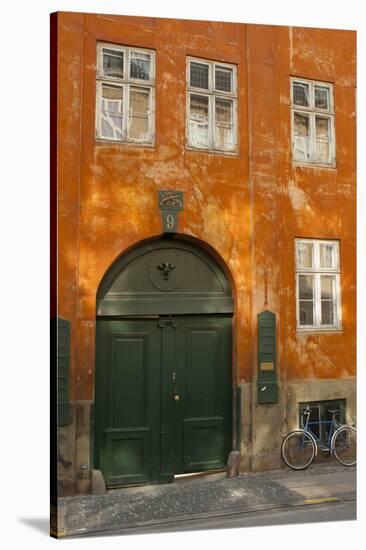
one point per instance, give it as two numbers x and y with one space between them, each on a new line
300 446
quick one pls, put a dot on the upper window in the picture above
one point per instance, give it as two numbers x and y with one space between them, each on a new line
125 94
313 137
211 105
318 284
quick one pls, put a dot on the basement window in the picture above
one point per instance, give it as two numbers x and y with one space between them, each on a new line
317 285
320 412
125 94
312 117
211 106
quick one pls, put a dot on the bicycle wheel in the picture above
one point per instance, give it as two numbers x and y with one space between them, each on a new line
298 450
344 445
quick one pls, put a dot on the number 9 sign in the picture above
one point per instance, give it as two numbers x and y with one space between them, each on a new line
169 221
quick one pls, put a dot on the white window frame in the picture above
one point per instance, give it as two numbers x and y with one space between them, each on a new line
312 112
212 95
126 83
317 272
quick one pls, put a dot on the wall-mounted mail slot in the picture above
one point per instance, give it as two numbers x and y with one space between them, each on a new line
267 373
267 366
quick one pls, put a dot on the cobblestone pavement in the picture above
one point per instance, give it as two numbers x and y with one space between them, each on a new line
208 496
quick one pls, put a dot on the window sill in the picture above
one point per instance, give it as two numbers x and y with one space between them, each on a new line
103 141
211 151
320 330
332 166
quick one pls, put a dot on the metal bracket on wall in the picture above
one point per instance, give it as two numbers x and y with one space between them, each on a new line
168 323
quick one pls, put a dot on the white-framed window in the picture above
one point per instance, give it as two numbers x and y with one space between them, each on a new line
211 105
318 293
312 120
125 94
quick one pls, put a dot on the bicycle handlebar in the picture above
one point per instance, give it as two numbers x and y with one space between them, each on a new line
307 411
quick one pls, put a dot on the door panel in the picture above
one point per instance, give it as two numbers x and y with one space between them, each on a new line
204 444
129 366
202 357
126 454
127 390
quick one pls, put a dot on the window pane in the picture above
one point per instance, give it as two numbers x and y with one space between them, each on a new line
323 149
327 253
327 287
139 115
322 152
199 75
306 287
306 284
111 112
300 94
301 137
304 254
327 283
224 130
112 63
223 111
322 127
327 313
321 97
327 415
223 79
302 125
306 310
140 65
198 121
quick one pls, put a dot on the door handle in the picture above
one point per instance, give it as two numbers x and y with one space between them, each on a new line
176 397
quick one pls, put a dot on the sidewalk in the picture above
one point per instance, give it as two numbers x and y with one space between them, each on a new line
207 496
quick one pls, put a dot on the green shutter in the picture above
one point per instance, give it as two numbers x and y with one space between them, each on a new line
63 372
267 371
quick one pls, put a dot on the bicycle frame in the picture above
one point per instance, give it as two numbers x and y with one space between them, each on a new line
318 440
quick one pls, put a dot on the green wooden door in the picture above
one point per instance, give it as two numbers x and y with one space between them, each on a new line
204 348
196 394
127 394
163 397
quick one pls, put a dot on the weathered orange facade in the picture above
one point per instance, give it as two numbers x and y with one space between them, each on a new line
246 208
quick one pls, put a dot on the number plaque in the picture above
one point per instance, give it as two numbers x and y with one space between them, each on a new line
170 203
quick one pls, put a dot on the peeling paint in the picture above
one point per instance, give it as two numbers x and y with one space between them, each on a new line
297 197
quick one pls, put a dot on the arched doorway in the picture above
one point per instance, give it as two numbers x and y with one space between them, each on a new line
163 399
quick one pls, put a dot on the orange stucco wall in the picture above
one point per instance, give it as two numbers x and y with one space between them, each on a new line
248 207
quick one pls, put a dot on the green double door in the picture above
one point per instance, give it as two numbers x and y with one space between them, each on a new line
163 403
